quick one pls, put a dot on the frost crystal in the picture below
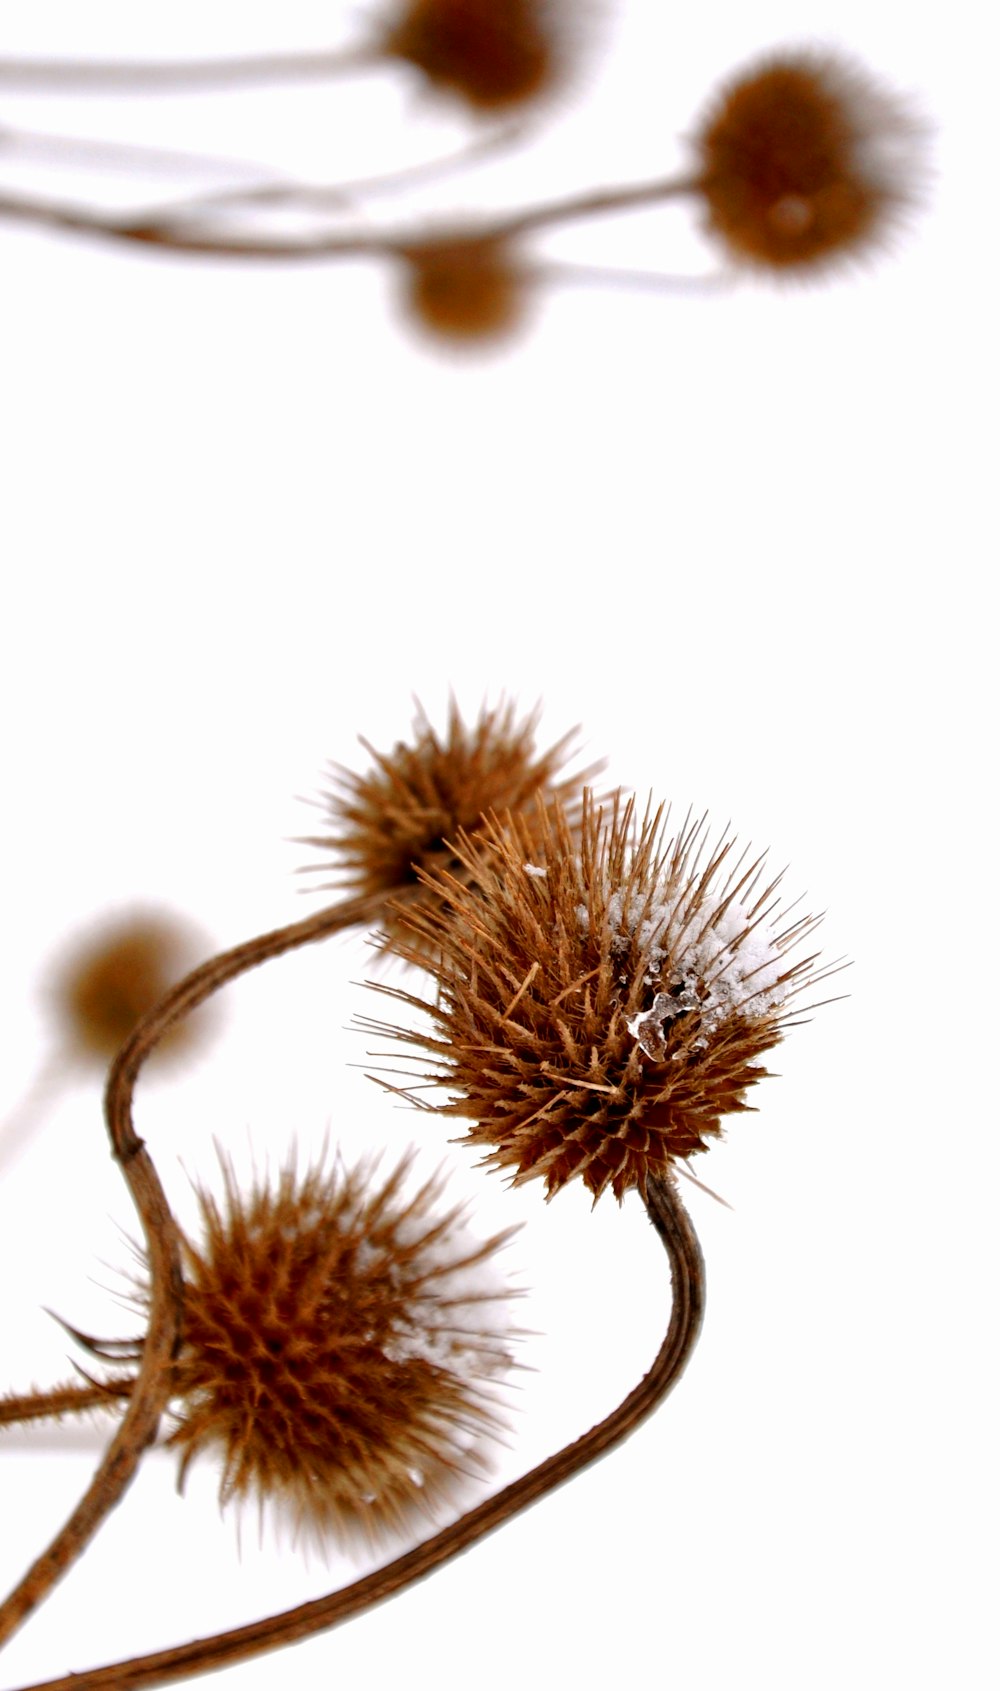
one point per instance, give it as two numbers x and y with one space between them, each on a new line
704 954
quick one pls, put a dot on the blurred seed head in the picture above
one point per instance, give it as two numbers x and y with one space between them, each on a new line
494 54
603 998
394 826
466 292
805 159
342 1344
110 978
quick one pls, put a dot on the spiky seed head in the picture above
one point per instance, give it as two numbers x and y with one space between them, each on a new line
465 291
342 1345
494 54
603 999
115 974
393 827
804 159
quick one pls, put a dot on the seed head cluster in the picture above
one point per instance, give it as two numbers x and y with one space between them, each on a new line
805 159
603 997
392 829
342 1344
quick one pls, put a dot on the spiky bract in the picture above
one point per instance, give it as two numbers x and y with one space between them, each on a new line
603 998
804 159
340 1347
395 825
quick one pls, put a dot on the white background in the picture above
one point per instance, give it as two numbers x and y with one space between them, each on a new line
743 539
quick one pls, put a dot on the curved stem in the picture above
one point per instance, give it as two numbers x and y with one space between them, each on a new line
152 1384
670 1219
174 76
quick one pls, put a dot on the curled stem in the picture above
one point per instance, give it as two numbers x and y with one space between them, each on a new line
151 1389
671 1222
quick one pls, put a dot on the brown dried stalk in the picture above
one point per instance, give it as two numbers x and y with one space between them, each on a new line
152 1385
162 1667
172 232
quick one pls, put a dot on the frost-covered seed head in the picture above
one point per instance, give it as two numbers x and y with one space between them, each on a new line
341 1348
599 1020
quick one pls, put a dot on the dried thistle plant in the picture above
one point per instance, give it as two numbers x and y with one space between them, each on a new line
604 994
603 997
391 830
802 160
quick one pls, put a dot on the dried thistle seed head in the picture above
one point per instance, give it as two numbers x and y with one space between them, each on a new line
341 1348
805 159
391 826
603 1000
494 54
119 972
465 291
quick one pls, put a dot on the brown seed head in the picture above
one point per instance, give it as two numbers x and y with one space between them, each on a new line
116 975
494 54
340 1348
465 291
395 825
603 999
804 159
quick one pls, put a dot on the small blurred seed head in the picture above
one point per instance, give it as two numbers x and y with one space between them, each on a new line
111 978
342 1343
468 292
603 997
494 54
805 159
396 824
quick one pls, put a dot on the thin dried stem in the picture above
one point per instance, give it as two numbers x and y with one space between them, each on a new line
162 231
179 76
203 1655
151 1390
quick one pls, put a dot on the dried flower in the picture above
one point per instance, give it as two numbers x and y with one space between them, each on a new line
116 975
493 53
466 291
395 824
341 1344
603 1000
804 159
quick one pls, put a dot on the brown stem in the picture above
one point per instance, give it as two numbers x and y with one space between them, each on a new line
172 76
161 231
670 1219
152 1384
52 1405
